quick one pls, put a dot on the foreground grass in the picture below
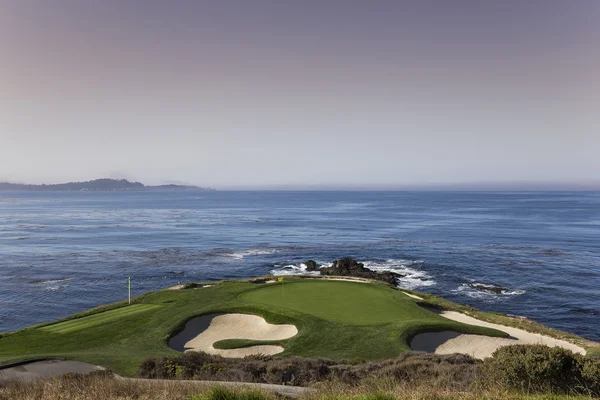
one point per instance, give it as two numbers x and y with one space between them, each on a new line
102 387
336 320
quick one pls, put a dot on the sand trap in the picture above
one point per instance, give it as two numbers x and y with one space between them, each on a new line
480 346
339 278
181 287
202 332
413 296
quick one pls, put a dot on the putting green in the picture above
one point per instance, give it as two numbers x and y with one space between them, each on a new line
349 303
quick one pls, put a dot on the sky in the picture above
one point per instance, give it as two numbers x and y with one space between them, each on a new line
325 93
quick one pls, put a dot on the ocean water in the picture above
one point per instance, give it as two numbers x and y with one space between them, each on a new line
65 252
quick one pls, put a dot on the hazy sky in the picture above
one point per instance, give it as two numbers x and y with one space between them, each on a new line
227 93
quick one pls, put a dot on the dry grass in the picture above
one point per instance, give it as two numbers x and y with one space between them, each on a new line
102 387
98 386
440 371
390 389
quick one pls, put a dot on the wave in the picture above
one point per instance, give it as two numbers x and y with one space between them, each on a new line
252 252
295 269
412 277
55 288
485 290
48 281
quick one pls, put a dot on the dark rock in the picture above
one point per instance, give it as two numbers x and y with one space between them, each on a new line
487 288
311 265
350 267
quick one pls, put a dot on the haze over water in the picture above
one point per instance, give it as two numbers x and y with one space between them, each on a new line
65 252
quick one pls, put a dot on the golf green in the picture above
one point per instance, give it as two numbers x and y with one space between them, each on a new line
349 303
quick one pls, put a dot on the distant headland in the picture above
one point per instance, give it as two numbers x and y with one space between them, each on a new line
98 185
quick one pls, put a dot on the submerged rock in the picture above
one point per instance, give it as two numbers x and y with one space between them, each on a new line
350 267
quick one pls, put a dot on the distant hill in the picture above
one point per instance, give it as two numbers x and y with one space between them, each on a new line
97 185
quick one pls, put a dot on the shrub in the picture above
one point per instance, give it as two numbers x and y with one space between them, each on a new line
417 369
539 368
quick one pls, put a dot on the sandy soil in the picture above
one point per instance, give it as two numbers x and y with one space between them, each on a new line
202 332
360 280
181 287
480 346
45 369
413 296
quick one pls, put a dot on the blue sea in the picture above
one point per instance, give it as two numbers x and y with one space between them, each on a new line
64 252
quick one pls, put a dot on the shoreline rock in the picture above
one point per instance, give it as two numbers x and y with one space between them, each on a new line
311 265
350 267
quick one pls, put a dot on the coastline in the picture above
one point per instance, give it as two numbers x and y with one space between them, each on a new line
423 300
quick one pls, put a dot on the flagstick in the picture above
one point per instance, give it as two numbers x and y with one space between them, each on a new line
129 288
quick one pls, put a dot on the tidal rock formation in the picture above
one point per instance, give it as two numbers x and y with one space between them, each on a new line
350 267
311 265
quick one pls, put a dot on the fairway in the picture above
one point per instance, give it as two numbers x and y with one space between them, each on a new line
98 319
348 303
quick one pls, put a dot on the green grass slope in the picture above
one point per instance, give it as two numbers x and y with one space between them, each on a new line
335 319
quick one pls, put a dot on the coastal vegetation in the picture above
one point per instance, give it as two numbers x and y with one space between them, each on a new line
408 377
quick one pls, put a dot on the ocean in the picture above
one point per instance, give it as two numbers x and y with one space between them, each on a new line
534 254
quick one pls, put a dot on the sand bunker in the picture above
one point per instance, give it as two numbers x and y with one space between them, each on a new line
202 332
414 296
480 346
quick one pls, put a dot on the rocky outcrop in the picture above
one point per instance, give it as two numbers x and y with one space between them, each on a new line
488 288
350 267
311 265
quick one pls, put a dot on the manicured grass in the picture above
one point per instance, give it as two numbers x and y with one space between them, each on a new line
344 302
335 319
98 319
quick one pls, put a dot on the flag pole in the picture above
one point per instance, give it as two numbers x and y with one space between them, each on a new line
280 279
129 288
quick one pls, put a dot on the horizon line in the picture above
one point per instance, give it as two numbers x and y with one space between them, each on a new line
452 186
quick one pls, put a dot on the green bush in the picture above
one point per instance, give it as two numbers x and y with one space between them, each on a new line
542 369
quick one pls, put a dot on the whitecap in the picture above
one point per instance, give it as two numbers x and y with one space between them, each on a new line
55 288
252 252
295 269
49 281
468 290
413 277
